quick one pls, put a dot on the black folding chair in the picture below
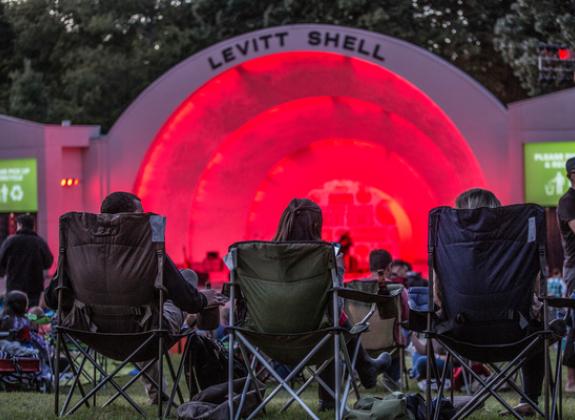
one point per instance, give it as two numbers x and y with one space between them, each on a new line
111 266
485 265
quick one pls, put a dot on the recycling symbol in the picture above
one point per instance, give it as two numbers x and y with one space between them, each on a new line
16 193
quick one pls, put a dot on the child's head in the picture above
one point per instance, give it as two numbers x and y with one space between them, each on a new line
16 303
35 313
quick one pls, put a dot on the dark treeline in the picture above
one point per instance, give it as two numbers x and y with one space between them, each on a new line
86 60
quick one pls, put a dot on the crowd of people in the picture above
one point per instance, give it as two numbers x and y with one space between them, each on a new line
25 255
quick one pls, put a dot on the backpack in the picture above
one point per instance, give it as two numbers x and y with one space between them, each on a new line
418 408
390 407
212 402
207 364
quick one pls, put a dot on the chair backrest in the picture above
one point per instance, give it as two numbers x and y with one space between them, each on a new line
382 334
111 259
285 284
487 261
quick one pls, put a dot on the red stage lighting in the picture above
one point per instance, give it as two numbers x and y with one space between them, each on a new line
564 54
298 124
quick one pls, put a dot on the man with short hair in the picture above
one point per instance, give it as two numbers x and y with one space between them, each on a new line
23 259
379 261
182 296
566 220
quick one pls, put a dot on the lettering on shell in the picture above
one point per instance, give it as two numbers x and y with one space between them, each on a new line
317 39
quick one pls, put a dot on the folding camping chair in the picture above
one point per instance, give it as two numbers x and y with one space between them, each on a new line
111 265
286 298
384 332
484 264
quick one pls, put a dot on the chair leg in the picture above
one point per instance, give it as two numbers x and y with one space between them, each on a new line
402 371
57 374
441 387
177 379
430 359
251 366
336 338
349 366
160 375
94 382
307 383
108 378
77 374
231 370
283 383
546 384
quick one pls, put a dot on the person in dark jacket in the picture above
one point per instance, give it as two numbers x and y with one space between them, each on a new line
182 296
23 259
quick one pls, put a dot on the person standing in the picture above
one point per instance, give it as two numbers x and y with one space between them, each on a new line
566 220
23 258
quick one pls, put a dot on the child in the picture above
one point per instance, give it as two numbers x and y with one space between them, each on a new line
13 319
23 340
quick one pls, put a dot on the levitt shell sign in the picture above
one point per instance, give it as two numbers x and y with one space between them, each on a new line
545 176
18 185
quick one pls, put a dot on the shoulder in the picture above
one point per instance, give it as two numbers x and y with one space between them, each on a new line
566 205
568 197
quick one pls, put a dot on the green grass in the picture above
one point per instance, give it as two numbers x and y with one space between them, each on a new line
29 405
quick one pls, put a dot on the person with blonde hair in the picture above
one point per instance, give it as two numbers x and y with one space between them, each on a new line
533 369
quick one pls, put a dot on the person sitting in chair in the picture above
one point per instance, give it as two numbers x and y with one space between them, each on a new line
380 263
302 221
534 369
182 296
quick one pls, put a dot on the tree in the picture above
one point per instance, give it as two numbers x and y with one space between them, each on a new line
27 94
6 52
529 23
92 58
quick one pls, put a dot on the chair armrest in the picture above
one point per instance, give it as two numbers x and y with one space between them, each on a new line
556 302
365 297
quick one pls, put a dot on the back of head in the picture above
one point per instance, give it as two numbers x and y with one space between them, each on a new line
476 198
403 264
15 303
300 221
379 259
121 202
26 221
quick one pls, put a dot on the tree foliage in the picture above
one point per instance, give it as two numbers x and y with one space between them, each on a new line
86 60
529 23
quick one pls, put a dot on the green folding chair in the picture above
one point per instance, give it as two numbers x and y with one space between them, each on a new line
286 306
383 333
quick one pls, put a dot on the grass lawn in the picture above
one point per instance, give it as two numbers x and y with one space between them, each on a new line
29 405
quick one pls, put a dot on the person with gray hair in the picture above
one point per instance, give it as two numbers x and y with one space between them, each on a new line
533 370
475 198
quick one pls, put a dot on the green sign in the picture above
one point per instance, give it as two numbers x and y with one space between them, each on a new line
18 185
545 177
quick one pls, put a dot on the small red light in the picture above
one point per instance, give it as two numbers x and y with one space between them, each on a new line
63 182
69 182
564 54
76 181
